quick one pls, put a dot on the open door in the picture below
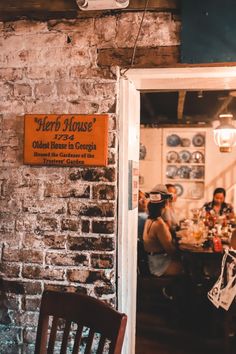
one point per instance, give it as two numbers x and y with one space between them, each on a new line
129 121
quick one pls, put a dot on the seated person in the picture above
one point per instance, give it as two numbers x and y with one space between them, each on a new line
169 213
142 213
157 238
233 240
218 206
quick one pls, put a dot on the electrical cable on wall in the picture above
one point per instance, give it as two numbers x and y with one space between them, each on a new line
136 40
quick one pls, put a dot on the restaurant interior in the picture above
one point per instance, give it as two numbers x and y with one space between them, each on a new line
177 147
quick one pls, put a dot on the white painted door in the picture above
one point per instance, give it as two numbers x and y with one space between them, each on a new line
129 122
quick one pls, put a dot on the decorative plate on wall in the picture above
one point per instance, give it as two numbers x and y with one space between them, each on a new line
173 140
197 157
184 172
197 192
197 172
179 189
184 156
198 140
142 151
171 171
172 156
185 142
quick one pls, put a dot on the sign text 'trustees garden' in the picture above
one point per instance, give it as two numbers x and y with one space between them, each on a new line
66 140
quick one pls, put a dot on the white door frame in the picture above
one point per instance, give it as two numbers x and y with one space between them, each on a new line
186 78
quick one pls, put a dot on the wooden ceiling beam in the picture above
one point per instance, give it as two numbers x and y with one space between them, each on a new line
154 5
37 9
38 5
223 106
46 9
181 100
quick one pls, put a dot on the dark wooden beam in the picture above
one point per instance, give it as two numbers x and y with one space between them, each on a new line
46 5
154 5
223 106
144 58
180 108
49 9
38 9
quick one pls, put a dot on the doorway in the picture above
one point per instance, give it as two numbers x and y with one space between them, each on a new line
136 80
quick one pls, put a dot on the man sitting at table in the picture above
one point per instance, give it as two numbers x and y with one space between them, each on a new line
169 214
158 242
142 213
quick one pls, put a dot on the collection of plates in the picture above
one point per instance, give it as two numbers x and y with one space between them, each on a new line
174 140
185 156
195 191
185 172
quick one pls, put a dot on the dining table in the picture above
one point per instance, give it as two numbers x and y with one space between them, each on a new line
203 266
202 257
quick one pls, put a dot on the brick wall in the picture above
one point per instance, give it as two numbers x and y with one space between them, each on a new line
58 226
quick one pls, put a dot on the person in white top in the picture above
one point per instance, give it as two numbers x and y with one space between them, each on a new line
157 238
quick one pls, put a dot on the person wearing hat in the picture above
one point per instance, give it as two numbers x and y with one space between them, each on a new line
157 237
169 212
142 213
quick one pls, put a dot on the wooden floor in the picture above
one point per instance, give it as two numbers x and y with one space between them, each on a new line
155 337
166 330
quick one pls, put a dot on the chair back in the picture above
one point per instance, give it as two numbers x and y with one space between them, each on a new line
78 321
143 268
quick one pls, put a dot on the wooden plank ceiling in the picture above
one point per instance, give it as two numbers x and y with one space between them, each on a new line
51 9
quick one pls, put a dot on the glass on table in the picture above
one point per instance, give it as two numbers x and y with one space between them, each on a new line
196 213
198 232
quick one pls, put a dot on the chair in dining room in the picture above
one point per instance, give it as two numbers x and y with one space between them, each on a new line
76 321
230 315
151 290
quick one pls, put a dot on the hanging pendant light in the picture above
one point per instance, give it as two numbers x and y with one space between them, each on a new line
225 133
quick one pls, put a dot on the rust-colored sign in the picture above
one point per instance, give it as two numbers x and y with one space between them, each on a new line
66 140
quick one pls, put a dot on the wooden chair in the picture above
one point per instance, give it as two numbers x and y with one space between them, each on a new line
81 313
150 288
230 315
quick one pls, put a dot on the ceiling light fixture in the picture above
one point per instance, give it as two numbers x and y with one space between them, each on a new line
93 5
225 133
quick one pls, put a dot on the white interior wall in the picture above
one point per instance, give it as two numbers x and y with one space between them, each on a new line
220 168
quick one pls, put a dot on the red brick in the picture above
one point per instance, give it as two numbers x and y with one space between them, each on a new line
103 227
90 243
102 261
104 290
104 192
36 272
10 270
95 175
85 276
62 259
85 226
92 209
22 90
70 224
59 287
55 241
31 303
